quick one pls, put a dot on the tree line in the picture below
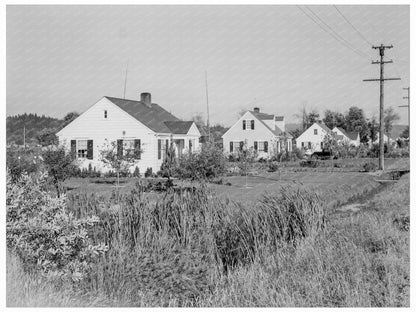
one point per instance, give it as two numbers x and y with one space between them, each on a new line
353 120
35 129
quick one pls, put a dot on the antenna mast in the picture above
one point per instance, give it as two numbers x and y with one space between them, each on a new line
125 80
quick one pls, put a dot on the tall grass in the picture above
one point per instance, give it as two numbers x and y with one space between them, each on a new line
191 249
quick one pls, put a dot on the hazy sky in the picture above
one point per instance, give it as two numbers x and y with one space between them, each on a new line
65 58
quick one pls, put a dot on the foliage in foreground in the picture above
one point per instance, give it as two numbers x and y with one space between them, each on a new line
44 234
190 249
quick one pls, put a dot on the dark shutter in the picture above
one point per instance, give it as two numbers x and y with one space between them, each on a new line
90 149
120 148
231 147
137 147
266 146
244 125
159 149
255 146
73 149
252 125
166 148
241 145
190 146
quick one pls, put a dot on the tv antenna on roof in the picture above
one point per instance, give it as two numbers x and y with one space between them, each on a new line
125 80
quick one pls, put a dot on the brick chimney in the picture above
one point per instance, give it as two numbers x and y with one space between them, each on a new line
256 110
146 99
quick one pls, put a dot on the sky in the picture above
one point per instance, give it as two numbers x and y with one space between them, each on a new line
65 58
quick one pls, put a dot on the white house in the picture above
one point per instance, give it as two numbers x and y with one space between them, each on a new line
140 125
386 140
265 133
352 138
312 139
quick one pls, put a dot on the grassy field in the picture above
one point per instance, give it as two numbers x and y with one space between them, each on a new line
359 259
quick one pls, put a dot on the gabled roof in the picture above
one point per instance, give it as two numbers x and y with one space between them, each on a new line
153 117
323 126
351 135
262 116
179 127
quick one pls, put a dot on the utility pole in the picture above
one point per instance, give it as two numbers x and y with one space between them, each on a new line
381 49
206 90
408 105
24 138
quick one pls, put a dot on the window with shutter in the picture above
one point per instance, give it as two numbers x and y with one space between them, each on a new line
255 146
231 147
73 149
159 149
244 125
137 149
266 149
252 125
90 149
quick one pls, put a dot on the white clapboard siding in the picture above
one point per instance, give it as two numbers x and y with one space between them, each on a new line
92 125
260 133
309 136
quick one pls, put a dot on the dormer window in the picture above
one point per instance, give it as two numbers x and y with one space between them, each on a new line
105 114
315 131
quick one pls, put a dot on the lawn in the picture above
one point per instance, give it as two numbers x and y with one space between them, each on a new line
335 187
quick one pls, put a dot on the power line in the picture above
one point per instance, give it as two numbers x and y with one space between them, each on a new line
357 31
332 32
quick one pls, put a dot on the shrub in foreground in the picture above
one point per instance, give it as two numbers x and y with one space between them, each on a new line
44 234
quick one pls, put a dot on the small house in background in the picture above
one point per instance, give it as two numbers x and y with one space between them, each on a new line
135 125
312 139
352 138
265 133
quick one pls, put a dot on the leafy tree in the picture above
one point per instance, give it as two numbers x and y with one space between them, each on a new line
405 133
206 164
373 129
245 158
119 159
389 118
47 137
59 165
69 118
312 118
356 121
334 119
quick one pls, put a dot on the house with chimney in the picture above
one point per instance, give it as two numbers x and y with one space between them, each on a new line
140 126
264 133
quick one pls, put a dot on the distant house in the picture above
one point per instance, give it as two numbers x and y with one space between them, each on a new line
312 139
135 125
386 139
352 138
265 133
